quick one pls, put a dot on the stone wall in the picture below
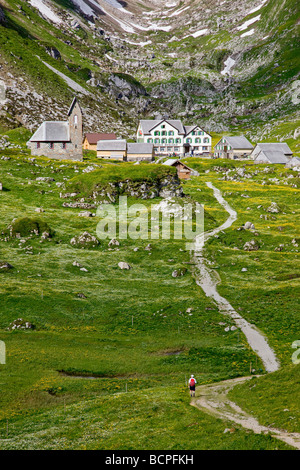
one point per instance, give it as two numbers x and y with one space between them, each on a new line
69 153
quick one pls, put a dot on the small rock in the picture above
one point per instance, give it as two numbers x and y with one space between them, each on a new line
123 265
4 266
249 226
114 242
85 214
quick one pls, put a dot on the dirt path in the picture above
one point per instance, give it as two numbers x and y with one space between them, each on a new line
213 399
208 281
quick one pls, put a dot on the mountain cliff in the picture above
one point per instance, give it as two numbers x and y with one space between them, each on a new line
228 65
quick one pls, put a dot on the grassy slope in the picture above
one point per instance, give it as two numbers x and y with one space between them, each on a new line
95 336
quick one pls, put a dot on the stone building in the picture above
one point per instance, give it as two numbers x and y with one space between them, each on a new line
60 139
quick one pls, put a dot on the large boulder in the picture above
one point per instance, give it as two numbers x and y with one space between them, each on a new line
85 240
252 245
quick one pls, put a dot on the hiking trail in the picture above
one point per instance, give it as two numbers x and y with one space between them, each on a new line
212 398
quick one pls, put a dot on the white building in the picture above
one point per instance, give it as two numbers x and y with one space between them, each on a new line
172 137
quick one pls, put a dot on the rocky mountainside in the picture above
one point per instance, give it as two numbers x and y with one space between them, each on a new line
228 65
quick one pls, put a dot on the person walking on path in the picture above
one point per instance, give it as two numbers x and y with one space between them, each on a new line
192 385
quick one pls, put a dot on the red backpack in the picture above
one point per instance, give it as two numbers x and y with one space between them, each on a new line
192 382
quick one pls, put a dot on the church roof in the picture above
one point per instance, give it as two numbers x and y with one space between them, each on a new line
52 131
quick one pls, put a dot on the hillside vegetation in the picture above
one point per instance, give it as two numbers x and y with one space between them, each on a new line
96 369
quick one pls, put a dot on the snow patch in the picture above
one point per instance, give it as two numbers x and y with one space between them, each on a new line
45 11
248 33
116 4
257 8
177 12
229 63
86 9
201 32
248 23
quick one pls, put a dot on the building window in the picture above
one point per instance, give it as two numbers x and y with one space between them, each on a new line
164 133
163 141
198 140
196 148
206 140
156 133
162 149
176 149
178 141
194 133
51 145
38 145
156 141
171 141
188 141
171 132
169 149
200 133
204 148
150 141
75 120
63 145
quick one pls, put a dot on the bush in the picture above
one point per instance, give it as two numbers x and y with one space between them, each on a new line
27 226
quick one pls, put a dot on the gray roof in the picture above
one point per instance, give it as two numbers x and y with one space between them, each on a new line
112 145
238 142
274 146
170 162
272 156
139 148
189 129
52 131
148 125
295 161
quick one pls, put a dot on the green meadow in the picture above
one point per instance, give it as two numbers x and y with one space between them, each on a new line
107 362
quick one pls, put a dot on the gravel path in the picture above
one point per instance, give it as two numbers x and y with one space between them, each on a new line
213 399
208 281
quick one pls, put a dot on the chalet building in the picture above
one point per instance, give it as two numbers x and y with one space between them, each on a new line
91 139
184 172
233 147
276 153
59 139
140 152
172 137
112 149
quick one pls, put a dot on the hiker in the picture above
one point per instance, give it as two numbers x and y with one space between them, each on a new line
192 385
